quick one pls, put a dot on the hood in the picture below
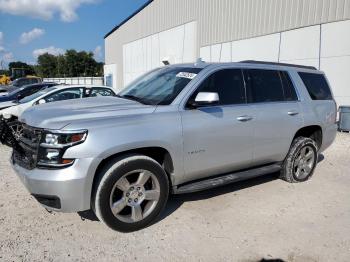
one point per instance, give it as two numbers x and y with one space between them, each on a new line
57 115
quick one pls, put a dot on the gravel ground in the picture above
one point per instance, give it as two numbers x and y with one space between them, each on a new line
248 221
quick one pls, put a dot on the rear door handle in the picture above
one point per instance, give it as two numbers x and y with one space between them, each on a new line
293 113
244 118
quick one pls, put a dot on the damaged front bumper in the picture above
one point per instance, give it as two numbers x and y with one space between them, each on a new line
9 133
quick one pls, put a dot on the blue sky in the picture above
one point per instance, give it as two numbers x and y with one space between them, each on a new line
28 28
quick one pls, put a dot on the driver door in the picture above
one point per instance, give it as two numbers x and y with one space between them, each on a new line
219 138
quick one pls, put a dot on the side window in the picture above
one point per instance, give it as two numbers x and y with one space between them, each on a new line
67 94
100 91
33 90
22 82
316 85
228 83
288 87
264 85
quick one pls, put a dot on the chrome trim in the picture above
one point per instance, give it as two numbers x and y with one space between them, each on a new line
43 164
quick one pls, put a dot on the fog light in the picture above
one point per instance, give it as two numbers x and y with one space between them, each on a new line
52 154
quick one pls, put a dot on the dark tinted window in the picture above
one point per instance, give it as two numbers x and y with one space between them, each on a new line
317 86
288 87
264 85
228 83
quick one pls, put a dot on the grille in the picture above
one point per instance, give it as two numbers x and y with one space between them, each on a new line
26 153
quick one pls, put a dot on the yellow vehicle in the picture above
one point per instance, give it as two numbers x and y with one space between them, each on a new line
4 80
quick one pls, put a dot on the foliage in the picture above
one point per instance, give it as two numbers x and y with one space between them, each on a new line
4 72
29 70
71 64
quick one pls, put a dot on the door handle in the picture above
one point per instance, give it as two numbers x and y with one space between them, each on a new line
293 113
244 118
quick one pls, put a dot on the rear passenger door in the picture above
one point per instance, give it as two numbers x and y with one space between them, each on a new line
277 113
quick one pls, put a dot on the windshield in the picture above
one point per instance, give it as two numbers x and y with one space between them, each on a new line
15 83
161 86
36 95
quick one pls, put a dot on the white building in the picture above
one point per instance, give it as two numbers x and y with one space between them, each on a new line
306 32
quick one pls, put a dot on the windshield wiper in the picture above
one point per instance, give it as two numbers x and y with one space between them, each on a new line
133 98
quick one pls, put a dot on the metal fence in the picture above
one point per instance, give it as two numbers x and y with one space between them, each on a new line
77 80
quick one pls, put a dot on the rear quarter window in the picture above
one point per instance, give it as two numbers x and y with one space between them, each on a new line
316 85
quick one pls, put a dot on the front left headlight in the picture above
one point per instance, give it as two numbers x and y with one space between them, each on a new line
59 140
54 144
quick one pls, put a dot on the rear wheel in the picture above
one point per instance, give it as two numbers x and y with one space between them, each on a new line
131 193
301 160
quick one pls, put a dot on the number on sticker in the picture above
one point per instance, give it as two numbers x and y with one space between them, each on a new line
186 75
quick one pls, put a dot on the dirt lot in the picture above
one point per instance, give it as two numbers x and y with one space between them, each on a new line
261 218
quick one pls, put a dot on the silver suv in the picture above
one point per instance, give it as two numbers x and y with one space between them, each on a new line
177 129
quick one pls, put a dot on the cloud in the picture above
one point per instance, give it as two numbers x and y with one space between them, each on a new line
50 50
27 37
2 49
44 9
98 52
7 57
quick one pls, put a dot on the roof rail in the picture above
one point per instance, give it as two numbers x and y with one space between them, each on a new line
278 64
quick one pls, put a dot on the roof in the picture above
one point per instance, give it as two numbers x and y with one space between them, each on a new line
277 64
63 86
247 63
128 18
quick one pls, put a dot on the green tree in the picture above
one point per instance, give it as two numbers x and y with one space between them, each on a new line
47 65
71 64
28 69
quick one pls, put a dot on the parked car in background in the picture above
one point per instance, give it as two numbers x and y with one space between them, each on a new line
19 83
12 98
54 94
178 129
25 81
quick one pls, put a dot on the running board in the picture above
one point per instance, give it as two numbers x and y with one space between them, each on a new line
226 179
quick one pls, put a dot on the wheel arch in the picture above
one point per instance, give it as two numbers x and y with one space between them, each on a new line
313 131
159 154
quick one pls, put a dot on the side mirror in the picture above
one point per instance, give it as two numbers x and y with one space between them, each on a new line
205 99
41 101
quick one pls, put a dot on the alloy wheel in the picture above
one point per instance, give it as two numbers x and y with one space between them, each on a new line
134 196
304 162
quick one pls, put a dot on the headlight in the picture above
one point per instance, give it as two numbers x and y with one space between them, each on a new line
63 139
54 145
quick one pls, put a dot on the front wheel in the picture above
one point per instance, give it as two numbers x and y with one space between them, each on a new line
301 161
131 193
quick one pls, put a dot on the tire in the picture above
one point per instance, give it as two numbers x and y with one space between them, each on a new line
130 193
301 161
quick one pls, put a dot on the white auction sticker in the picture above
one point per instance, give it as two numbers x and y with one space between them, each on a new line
186 75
